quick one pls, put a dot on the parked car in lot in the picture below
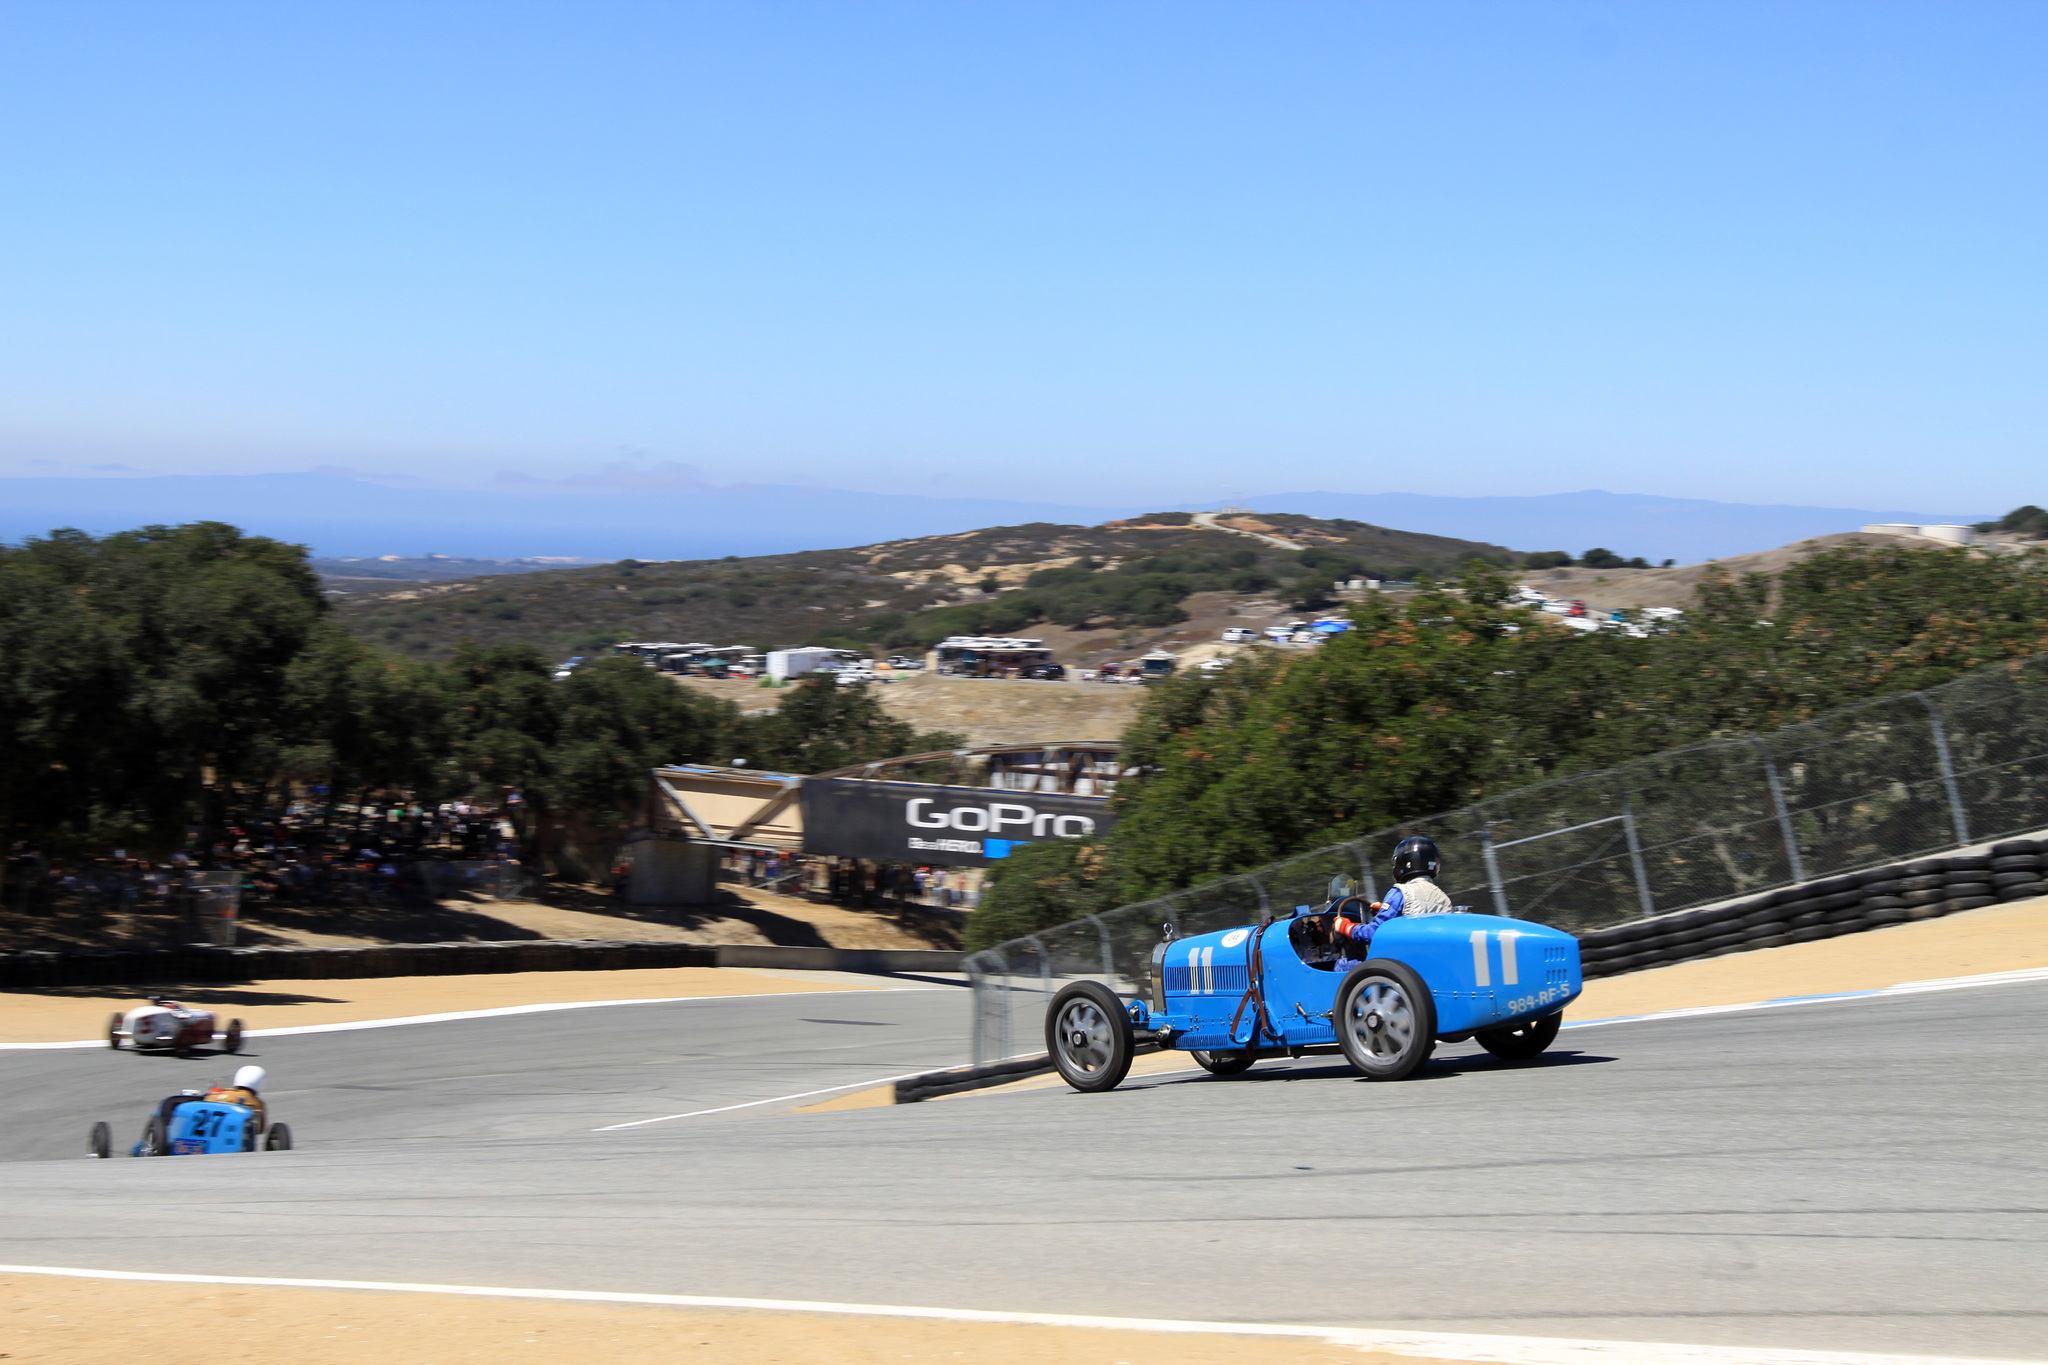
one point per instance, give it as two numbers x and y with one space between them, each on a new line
1240 635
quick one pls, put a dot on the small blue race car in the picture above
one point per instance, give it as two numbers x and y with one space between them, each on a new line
1286 989
189 1124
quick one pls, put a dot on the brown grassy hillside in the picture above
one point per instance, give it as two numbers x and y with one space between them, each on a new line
1127 575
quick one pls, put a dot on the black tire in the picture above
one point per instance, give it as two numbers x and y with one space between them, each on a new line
1223 1063
233 1041
1386 1021
279 1138
1520 1042
153 1140
114 1033
102 1142
1089 1037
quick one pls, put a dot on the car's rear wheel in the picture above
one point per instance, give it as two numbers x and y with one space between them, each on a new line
153 1143
1223 1063
1520 1042
280 1138
1386 1021
1089 1037
233 1041
102 1141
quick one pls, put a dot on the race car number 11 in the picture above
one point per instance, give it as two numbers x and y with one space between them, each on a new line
1482 970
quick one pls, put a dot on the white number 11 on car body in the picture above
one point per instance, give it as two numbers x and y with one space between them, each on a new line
1482 969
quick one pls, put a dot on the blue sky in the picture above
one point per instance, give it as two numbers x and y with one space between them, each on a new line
1094 253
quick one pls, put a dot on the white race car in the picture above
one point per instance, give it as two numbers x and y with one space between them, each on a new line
166 1026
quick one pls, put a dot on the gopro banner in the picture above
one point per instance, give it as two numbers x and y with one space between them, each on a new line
915 822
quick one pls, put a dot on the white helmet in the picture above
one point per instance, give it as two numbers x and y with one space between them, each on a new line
250 1078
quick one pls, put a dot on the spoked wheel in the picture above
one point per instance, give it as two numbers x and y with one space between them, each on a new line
1223 1063
114 1034
153 1143
1520 1042
1386 1021
1089 1037
102 1141
279 1138
233 1041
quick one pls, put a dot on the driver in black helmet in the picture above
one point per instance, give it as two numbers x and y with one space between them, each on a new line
1415 893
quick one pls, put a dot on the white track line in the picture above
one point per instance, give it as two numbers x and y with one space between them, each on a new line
1432 1345
500 1012
1947 983
755 1104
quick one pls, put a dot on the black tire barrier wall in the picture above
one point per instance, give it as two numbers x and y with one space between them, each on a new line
955 1080
199 965
1923 889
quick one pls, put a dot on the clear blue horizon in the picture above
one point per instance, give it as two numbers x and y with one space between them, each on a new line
1140 253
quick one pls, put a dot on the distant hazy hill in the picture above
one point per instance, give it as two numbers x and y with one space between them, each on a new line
899 593
430 568
1688 530
340 516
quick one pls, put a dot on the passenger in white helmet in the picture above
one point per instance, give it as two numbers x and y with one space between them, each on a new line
246 1090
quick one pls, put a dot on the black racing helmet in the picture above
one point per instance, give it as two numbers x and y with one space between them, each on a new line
1415 857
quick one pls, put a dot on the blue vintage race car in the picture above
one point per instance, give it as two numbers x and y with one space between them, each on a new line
1285 989
187 1124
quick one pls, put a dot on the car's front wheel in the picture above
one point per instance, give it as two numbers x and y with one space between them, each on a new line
1520 1042
233 1041
1089 1037
114 1034
1223 1063
1386 1021
102 1141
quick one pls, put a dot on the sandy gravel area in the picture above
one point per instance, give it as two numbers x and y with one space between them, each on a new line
65 1013
1997 938
57 1321
751 917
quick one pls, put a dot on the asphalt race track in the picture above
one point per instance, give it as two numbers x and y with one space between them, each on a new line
1864 1175
528 1075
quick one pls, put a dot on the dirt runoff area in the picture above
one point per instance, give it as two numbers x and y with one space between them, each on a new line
1997 938
985 710
61 1321
68 1013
